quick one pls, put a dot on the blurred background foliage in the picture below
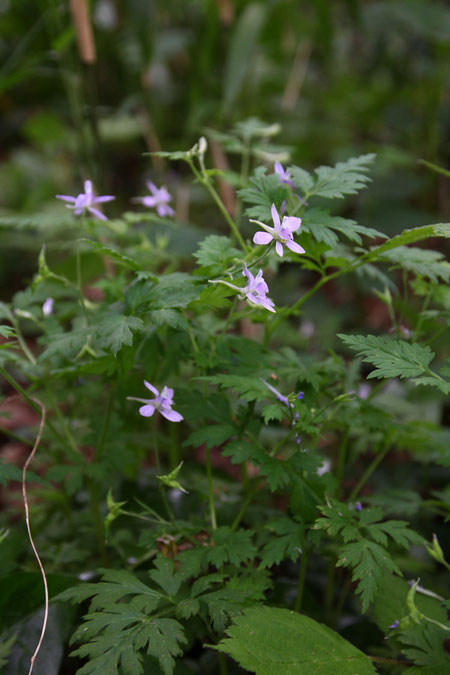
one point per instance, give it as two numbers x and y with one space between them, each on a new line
342 78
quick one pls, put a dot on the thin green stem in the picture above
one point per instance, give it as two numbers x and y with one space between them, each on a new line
98 521
22 343
418 327
80 280
212 508
105 427
342 456
369 471
302 576
169 511
191 334
204 180
245 505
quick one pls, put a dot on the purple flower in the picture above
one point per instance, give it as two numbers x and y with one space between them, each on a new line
395 624
159 199
163 403
85 201
279 396
300 395
358 506
281 233
285 176
256 290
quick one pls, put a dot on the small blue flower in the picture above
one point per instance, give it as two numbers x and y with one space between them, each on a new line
395 624
358 506
300 395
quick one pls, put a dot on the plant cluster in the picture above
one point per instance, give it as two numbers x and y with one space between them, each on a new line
250 511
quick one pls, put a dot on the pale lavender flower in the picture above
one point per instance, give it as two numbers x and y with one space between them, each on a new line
280 397
47 307
358 506
85 201
285 176
281 233
256 290
395 624
163 403
159 199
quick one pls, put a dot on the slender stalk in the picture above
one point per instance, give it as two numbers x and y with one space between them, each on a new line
223 664
206 183
191 334
341 460
169 511
245 505
105 427
369 471
212 508
302 576
98 521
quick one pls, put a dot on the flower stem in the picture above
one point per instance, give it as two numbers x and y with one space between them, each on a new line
341 461
169 511
301 578
204 180
369 471
212 508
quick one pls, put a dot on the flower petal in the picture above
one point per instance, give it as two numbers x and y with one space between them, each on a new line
295 247
171 415
261 238
279 248
151 388
292 223
275 217
147 410
105 198
98 214
67 198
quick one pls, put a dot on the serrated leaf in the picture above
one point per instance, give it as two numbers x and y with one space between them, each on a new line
302 178
66 345
391 358
211 435
115 330
422 262
172 290
265 640
233 547
117 257
369 562
216 253
265 190
273 411
345 178
324 227
286 542
411 237
424 644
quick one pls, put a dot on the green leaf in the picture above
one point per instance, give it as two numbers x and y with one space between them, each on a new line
346 178
233 547
250 389
115 330
286 542
424 644
66 345
422 262
265 190
164 575
117 257
324 227
391 358
411 237
172 290
211 435
273 411
216 253
268 640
